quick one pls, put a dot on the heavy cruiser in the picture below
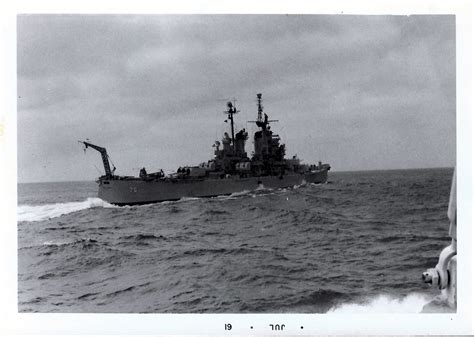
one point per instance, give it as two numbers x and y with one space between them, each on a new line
231 170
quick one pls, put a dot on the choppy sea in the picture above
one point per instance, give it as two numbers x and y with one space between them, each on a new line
356 244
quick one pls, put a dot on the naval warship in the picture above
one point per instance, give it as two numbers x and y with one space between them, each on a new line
230 171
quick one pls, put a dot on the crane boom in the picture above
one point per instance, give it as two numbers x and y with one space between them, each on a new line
105 157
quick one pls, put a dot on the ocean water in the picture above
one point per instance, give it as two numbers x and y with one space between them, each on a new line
356 244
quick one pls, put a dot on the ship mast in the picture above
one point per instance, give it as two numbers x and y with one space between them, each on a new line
231 110
260 107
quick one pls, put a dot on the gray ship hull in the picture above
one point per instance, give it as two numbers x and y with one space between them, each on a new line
137 191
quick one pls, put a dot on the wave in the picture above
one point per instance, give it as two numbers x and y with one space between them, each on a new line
85 241
215 212
185 199
412 303
303 183
143 237
238 194
32 213
321 300
262 187
231 196
170 202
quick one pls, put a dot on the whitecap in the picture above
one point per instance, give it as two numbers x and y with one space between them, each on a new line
184 199
237 194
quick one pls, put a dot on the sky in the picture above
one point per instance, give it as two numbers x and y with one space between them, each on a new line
357 92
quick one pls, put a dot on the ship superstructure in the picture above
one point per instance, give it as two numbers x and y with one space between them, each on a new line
231 170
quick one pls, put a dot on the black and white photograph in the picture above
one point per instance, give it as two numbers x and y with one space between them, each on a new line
237 164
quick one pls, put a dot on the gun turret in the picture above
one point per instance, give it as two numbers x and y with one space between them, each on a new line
105 158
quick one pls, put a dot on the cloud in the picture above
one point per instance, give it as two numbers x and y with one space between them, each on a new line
364 91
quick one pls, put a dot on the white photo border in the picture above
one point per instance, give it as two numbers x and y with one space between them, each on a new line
12 322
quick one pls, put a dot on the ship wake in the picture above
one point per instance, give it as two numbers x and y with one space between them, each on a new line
412 303
31 213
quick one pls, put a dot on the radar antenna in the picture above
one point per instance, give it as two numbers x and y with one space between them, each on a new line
262 122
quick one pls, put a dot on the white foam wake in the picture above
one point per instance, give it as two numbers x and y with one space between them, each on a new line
262 187
383 304
184 199
48 211
303 183
238 194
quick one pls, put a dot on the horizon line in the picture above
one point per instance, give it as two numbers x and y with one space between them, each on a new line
338 171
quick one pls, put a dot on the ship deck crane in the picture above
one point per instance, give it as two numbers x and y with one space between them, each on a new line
105 157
